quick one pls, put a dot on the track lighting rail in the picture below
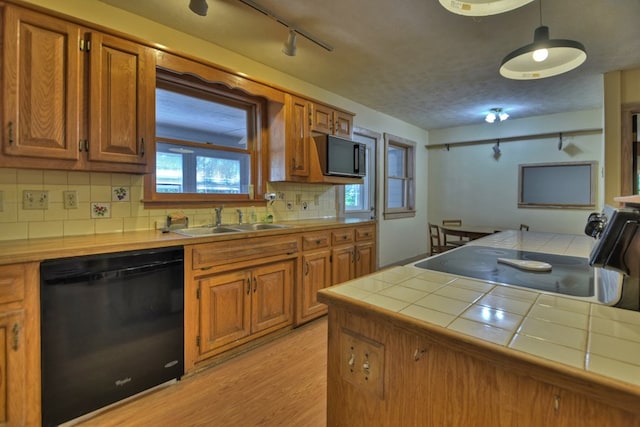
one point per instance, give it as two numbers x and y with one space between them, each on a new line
287 24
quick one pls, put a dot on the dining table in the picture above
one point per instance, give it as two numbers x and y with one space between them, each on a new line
470 232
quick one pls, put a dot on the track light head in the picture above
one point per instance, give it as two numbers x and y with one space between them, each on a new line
199 7
289 48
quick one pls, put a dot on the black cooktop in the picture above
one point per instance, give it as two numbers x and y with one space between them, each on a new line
568 276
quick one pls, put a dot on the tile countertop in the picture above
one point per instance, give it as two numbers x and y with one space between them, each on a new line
588 336
27 250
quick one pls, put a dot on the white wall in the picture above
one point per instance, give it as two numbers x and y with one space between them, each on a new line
398 238
468 182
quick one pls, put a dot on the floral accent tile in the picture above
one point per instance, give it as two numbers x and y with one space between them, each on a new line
100 210
120 194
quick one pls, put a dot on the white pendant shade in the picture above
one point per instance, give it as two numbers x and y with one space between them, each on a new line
482 7
562 56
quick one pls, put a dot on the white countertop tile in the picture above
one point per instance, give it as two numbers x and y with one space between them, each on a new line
443 304
494 317
481 330
507 304
558 334
548 350
428 315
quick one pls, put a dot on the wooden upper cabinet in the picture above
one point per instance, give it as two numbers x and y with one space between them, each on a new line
299 143
42 77
121 99
51 118
325 119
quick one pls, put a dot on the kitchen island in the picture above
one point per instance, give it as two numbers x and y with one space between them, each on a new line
409 346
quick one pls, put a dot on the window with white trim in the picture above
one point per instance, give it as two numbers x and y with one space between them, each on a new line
399 194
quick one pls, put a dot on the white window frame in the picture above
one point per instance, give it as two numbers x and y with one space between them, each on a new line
408 178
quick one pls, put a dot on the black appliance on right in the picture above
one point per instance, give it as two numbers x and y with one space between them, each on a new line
618 248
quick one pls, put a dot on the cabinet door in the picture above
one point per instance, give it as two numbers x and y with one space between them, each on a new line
271 299
316 275
342 264
365 253
41 86
321 119
122 80
12 369
298 144
343 124
224 309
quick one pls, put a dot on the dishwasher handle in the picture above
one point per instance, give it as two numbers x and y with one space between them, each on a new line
111 274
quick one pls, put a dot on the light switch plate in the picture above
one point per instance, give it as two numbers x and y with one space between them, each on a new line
35 199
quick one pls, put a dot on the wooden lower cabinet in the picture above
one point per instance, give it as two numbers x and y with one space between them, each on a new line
236 306
12 368
342 268
364 262
19 345
316 275
427 379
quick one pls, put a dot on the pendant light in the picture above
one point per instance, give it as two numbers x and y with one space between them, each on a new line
482 7
544 57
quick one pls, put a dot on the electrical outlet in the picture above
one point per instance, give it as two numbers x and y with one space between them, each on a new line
70 199
281 195
35 199
362 362
289 206
298 199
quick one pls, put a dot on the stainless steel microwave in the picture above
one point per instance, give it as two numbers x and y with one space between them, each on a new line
340 156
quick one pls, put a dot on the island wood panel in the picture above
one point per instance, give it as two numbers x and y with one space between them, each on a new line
435 379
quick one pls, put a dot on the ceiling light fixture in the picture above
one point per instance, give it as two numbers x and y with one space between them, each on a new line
482 7
199 7
289 48
544 57
496 113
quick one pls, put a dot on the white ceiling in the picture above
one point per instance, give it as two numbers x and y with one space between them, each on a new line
413 60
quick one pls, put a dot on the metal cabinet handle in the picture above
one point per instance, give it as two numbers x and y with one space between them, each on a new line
10 133
255 284
141 147
306 268
16 337
248 286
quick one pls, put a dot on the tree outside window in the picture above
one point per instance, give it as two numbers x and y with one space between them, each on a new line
399 177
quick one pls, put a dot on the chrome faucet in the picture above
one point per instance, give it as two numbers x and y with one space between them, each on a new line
218 216
239 215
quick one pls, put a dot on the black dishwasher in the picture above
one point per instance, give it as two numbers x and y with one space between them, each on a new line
112 326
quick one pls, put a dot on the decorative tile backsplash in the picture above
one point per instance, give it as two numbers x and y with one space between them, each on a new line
109 203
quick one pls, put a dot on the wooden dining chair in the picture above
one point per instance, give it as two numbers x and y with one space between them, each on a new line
447 240
434 239
524 227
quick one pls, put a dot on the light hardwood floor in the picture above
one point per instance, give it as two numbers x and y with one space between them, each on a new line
282 383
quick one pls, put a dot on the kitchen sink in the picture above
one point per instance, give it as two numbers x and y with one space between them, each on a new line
206 231
235 228
259 226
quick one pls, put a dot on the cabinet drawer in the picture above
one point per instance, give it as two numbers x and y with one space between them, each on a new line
365 233
11 283
315 241
219 253
342 236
